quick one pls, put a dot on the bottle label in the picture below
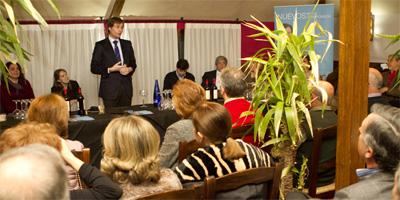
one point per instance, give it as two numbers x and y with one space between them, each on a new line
215 94
208 94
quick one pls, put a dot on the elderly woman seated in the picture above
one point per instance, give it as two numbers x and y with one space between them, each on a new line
379 145
130 158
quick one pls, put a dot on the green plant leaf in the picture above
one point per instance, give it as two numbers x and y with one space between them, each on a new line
275 141
278 117
306 112
285 171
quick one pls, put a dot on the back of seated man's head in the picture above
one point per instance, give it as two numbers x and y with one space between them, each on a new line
233 83
380 132
33 172
375 80
396 186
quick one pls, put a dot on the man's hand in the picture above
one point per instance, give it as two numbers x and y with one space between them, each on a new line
125 70
116 67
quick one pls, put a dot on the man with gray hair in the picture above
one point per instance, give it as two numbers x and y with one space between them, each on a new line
33 172
211 78
375 89
233 87
379 145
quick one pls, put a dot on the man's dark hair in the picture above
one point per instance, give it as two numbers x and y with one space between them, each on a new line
114 20
288 26
182 64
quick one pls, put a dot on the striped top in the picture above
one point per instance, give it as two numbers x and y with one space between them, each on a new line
209 161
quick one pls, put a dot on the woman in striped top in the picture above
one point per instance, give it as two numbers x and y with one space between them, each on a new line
222 155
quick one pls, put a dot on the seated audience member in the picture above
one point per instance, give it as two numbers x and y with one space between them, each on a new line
320 118
214 75
233 87
188 95
45 177
100 186
52 109
179 74
396 185
130 158
221 155
390 78
19 88
65 87
375 89
29 133
379 145
43 174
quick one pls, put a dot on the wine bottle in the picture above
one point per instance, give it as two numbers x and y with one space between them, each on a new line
156 95
81 103
214 91
208 91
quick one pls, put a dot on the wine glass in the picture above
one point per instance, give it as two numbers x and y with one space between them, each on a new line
143 94
16 112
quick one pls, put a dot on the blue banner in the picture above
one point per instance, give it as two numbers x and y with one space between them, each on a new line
324 15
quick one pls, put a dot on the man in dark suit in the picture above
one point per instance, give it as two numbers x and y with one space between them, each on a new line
320 118
113 58
180 73
214 75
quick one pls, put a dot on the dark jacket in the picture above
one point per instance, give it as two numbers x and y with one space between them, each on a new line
100 186
72 90
171 78
103 58
210 76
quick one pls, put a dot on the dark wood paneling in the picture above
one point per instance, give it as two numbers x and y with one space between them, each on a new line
353 86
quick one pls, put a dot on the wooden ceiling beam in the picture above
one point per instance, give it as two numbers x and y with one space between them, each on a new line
114 8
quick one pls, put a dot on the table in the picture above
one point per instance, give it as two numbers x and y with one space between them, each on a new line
90 132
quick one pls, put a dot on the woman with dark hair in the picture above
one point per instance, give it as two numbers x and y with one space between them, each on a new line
18 87
65 87
379 146
221 155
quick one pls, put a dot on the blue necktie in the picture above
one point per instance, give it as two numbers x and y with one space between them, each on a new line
116 50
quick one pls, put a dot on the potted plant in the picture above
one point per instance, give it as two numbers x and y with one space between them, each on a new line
10 47
282 89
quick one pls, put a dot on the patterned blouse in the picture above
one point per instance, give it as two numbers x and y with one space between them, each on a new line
168 181
209 161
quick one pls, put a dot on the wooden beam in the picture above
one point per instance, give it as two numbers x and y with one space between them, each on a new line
114 8
353 86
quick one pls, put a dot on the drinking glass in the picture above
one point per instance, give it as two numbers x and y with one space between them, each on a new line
143 94
17 112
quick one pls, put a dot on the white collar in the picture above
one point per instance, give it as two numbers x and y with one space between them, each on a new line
232 99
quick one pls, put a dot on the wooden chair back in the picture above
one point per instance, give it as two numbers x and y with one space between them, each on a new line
320 135
262 175
239 132
83 155
195 193
186 148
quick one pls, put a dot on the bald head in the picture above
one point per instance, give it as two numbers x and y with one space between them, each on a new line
328 88
32 172
375 80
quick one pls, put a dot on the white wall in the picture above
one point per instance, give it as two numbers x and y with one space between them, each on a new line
387 21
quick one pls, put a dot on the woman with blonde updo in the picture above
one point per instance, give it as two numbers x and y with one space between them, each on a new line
130 158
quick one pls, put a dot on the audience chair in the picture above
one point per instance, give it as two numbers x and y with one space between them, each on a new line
270 176
83 155
195 193
241 131
327 191
186 148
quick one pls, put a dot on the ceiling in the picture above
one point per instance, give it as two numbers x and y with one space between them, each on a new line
164 9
